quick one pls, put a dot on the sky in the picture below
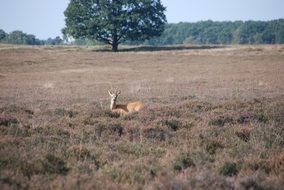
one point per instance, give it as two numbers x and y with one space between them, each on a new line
45 18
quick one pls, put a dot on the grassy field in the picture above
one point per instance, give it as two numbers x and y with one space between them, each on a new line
214 118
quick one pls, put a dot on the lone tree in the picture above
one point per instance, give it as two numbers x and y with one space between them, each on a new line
112 21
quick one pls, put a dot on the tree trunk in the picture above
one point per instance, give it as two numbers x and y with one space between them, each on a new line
114 42
114 46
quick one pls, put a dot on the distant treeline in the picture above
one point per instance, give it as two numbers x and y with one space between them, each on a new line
203 32
210 32
19 37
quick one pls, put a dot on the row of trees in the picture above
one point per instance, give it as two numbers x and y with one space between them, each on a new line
205 32
19 37
209 32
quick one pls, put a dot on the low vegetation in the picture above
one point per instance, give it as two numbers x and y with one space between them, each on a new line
56 139
94 149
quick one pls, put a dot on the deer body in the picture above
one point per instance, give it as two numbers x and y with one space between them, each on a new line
123 109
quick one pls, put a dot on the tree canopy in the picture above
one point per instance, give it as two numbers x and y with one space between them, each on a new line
113 21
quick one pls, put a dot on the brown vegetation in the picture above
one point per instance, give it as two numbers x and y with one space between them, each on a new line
213 120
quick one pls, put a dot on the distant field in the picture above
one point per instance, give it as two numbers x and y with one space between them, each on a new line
214 117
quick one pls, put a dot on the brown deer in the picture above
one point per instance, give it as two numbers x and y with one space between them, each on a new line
123 109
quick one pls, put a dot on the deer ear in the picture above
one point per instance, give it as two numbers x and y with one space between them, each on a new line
109 93
118 92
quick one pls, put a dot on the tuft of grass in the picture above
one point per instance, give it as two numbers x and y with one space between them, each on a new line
276 163
257 165
80 152
261 117
211 146
243 134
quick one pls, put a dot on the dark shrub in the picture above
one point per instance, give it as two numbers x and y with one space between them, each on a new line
229 169
182 162
117 128
159 134
54 165
221 121
244 118
49 165
172 123
8 120
65 113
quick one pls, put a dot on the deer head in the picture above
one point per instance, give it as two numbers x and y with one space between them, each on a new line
113 96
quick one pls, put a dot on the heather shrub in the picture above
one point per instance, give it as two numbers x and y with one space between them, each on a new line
221 121
156 133
54 165
65 113
7 120
183 161
229 169
173 124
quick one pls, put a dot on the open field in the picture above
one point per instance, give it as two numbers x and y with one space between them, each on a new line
214 118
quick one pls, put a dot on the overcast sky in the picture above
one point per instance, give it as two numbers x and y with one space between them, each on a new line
45 18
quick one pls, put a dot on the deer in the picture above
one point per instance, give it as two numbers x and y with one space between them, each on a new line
123 109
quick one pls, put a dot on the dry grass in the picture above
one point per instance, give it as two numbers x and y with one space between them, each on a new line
214 118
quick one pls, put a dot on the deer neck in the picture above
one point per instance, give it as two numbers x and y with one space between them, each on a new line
112 104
